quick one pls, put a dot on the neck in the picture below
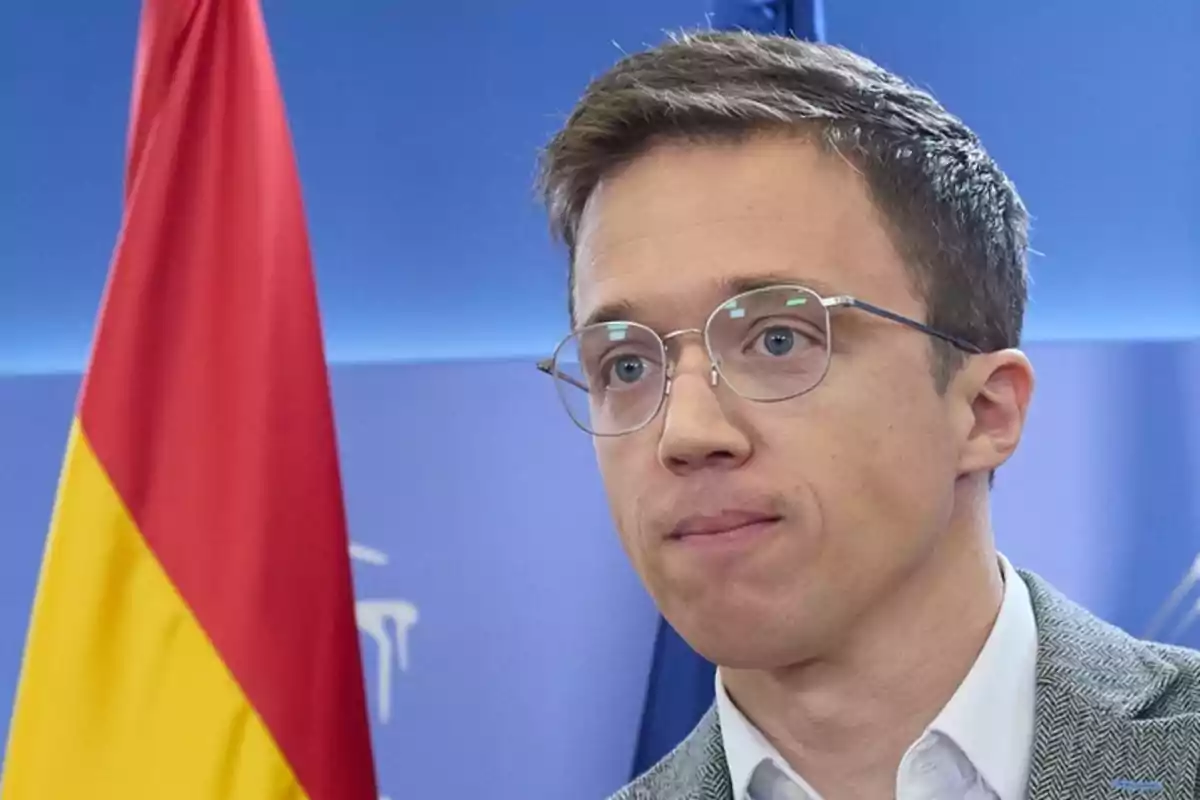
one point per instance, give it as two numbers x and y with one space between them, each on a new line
846 719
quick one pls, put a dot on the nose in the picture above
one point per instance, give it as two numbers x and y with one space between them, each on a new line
697 432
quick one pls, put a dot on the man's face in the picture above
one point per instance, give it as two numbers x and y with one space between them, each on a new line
853 483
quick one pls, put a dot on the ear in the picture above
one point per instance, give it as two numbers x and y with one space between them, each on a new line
996 388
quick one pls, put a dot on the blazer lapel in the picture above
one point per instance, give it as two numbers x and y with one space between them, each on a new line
695 770
714 781
1094 737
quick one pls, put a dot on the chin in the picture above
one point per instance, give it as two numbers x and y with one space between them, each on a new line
745 638
739 651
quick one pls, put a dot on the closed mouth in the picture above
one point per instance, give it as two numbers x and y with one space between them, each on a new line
721 524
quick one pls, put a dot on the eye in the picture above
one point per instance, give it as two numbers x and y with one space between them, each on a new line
623 369
777 340
628 369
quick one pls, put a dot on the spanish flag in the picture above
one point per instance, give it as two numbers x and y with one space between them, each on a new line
193 634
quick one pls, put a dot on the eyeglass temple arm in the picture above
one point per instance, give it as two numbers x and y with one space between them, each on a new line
961 344
546 365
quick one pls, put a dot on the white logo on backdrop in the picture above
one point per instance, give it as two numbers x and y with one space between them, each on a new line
379 618
387 621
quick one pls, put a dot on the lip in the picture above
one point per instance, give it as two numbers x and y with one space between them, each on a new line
722 524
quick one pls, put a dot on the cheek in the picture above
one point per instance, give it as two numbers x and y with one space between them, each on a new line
875 458
622 470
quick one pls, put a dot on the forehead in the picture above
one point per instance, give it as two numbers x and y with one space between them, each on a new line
685 225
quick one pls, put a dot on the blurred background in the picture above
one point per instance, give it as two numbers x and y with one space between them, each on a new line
511 636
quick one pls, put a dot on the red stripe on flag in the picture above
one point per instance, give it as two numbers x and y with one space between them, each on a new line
207 399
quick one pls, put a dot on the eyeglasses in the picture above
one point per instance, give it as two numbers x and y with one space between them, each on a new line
768 345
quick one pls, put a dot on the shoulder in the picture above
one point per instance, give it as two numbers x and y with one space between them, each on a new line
694 770
1107 665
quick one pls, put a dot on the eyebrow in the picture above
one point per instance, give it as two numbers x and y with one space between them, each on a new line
627 311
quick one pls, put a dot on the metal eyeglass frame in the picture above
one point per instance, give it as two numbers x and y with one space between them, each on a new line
546 365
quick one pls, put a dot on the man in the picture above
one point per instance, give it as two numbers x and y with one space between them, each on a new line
797 289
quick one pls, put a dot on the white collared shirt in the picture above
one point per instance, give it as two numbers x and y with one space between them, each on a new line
977 748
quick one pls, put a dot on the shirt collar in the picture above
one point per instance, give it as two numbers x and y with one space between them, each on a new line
990 717
991 714
745 746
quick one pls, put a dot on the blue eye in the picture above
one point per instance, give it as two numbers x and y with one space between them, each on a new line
778 340
627 369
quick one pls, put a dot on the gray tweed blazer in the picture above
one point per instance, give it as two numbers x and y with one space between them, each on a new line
1115 718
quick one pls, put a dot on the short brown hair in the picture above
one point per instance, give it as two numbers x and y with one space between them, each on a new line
953 214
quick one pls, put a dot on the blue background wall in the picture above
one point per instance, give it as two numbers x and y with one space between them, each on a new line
527 665
416 127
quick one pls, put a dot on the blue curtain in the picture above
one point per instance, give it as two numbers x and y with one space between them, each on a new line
804 19
680 688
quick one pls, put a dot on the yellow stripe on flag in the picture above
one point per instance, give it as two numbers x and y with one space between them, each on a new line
122 694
